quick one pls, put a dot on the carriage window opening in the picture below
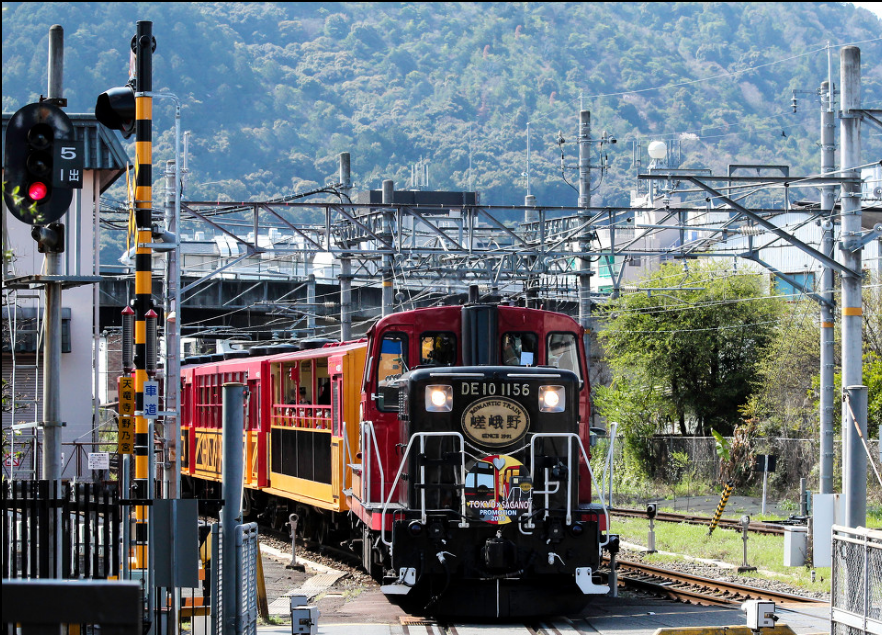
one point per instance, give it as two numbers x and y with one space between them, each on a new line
289 381
437 349
305 395
519 349
563 352
322 382
393 358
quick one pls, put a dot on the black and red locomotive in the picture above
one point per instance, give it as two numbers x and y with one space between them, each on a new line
449 449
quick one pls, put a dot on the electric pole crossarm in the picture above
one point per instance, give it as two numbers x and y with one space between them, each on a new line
369 234
493 221
791 281
872 116
814 253
250 248
436 230
269 209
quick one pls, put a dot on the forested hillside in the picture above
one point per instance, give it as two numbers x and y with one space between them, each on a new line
272 92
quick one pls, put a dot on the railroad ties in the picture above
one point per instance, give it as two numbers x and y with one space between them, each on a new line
694 589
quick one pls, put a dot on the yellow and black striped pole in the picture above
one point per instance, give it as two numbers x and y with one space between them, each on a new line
727 491
143 48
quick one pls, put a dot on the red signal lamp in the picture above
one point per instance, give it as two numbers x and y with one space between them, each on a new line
37 191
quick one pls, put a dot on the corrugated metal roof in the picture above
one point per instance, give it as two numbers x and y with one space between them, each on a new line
103 150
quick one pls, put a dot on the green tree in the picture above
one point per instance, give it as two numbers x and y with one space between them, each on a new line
783 403
683 349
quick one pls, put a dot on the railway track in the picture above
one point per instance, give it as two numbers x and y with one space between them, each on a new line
758 527
695 589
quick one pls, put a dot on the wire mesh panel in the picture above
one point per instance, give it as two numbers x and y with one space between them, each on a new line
856 599
217 589
247 546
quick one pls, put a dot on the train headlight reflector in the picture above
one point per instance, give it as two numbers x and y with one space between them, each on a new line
551 398
439 398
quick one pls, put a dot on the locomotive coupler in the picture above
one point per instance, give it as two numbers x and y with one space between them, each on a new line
499 553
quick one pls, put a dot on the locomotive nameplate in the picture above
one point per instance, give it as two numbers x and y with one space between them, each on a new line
495 421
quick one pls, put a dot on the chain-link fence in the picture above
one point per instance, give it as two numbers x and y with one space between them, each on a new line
856 599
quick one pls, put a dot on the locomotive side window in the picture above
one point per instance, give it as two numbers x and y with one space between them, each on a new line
437 349
392 363
563 352
520 349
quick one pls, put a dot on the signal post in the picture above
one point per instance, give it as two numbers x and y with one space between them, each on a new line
43 164
129 109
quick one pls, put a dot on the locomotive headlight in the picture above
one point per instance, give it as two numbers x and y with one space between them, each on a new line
439 398
551 398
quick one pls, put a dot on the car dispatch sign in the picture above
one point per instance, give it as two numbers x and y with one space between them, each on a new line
495 421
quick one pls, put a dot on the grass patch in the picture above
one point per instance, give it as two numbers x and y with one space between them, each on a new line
274 620
764 552
874 517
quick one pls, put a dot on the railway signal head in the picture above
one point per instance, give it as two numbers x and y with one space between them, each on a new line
33 139
115 109
651 510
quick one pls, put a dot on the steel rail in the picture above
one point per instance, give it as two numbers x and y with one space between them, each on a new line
758 527
710 591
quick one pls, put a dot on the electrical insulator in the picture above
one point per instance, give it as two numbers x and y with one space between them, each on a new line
150 344
793 103
128 340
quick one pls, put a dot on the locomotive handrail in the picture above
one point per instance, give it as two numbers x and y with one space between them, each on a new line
366 471
347 452
578 439
422 436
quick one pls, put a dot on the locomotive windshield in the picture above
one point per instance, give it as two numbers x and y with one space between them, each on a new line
520 349
563 352
437 349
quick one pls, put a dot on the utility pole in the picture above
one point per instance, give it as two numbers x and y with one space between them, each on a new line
530 216
388 200
52 343
172 462
827 318
854 413
583 264
345 260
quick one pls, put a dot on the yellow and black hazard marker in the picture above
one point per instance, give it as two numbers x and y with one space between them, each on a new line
727 491
143 274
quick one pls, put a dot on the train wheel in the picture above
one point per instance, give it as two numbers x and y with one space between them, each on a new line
371 559
321 529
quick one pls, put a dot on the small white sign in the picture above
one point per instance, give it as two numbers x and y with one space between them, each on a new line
99 460
151 399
